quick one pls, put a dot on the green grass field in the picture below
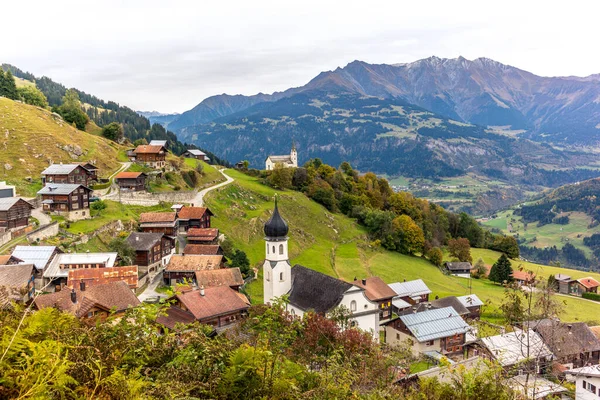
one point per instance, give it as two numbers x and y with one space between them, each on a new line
336 245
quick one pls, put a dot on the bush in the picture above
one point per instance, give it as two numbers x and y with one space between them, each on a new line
32 95
113 131
591 296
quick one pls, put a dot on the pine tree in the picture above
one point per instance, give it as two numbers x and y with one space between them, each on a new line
501 270
10 86
2 83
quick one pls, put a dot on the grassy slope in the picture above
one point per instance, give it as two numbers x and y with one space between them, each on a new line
29 137
336 245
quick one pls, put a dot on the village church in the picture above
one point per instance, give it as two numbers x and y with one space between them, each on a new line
286 161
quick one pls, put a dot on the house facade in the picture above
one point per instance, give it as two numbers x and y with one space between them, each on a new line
14 213
193 217
57 273
473 304
309 290
159 222
379 292
70 200
460 269
153 156
290 161
68 173
183 268
587 382
577 287
151 248
131 181
574 344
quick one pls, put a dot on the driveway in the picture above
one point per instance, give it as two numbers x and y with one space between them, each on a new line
151 289
38 214
199 199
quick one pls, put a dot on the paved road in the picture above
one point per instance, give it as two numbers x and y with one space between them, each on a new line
199 199
38 214
102 193
151 289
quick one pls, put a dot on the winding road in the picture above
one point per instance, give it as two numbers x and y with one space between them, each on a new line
199 199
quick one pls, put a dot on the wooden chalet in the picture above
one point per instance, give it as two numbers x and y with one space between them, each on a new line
577 287
197 154
92 169
182 268
231 277
193 217
207 236
151 155
70 199
159 222
151 248
460 269
573 344
69 173
219 306
131 181
93 302
14 212
202 250
378 292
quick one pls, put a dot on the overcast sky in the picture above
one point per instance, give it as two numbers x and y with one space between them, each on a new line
169 55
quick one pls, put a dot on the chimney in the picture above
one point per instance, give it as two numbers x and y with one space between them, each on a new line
202 290
137 238
82 286
73 296
364 282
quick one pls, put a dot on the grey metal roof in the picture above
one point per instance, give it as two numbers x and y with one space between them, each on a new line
60 169
196 152
470 300
158 143
59 188
7 202
54 270
459 266
399 303
143 241
511 348
36 255
410 288
435 324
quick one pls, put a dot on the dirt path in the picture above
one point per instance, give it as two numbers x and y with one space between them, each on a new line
199 199
102 193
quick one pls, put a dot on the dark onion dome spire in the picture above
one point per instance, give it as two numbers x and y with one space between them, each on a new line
276 226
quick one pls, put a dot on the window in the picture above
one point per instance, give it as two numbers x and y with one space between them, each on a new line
353 305
281 276
589 387
352 324
273 249
397 336
280 249
429 343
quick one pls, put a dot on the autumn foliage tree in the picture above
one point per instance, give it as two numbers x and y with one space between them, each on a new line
460 249
409 235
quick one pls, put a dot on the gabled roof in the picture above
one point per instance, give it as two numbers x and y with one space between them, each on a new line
55 271
459 266
524 276
434 324
588 282
589 371
175 316
149 149
201 249
219 277
15 276
203 233
219 300
7 259
399 303
194 263
39 256
375 288
115 295
470 300
280 159
192 212
7 202
196 152
562 277
143 241
129 175
316 291
511 348
157 217
451 301
410 288
566 339
98 276
158 143
61 169
61 188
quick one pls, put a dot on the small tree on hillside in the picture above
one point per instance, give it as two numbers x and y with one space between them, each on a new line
460 249
240 260
124 250
71 111
436 256
113 131
281 177
501 270
479 269
31 95
410 235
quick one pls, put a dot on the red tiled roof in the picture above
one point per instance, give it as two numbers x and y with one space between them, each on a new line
99 276
148 149
115 295
175 316
589 282
216 301
375 288
194 263
220 277
193 212
201 249
522 275
128 175
203 233
157 217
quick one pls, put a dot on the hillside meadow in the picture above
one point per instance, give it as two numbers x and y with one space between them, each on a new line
338 246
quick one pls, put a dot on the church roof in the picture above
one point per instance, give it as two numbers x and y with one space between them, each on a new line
276 226
280 159
312 290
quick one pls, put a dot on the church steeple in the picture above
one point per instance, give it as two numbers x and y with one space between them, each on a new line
277 271
276 227
294 155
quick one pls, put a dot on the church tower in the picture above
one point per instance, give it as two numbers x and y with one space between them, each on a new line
277 271
294 155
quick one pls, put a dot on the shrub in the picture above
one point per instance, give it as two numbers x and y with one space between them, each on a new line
591 296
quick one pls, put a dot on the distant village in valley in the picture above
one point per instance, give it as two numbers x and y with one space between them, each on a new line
173 258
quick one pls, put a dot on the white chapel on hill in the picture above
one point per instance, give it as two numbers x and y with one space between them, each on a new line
286 161
308 289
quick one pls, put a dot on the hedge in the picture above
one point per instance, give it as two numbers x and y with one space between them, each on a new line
591 296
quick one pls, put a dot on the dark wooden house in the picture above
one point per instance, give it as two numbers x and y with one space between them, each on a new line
182 268
461 269
67 173
573 344
14 212
153 156
159 222
193 217
150 248
206 236
66 198
131 181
